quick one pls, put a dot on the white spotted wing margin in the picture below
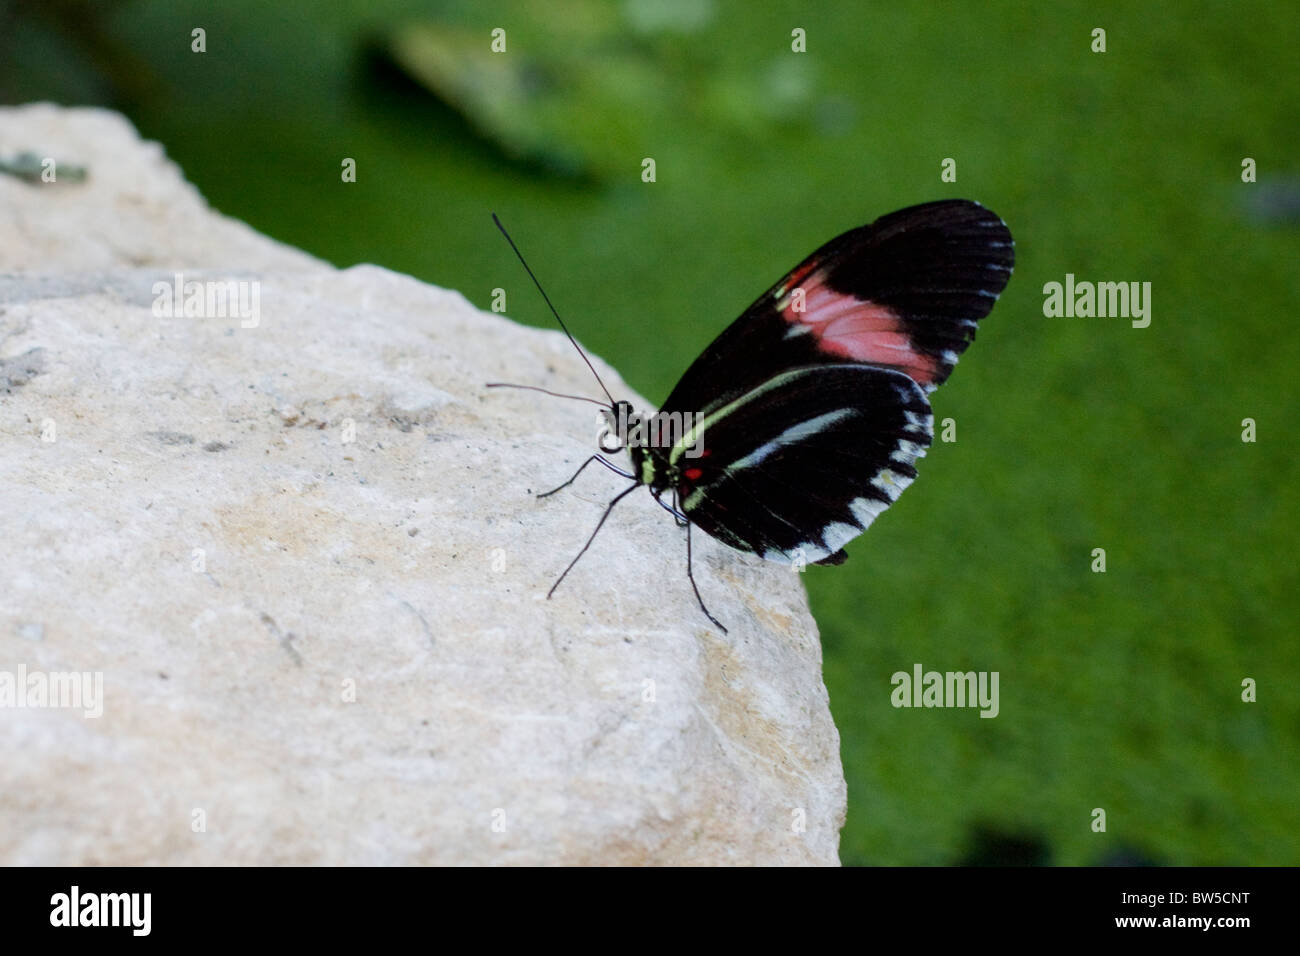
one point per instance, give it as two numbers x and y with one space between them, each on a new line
802 464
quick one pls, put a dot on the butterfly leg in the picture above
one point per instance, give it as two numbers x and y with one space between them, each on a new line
690 574
680 518
617 498
600 458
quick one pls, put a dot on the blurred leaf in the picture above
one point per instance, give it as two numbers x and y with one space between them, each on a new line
591 101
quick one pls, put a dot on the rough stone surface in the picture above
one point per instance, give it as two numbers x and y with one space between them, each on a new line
200 532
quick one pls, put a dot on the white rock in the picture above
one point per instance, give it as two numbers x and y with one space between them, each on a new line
199 533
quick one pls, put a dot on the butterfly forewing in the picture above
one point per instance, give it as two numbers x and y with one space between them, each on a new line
904 293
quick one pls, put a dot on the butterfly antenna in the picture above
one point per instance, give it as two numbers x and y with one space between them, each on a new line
552 308
547 391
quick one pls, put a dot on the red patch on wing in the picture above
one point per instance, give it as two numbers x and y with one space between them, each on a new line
856 329
693 474
794 278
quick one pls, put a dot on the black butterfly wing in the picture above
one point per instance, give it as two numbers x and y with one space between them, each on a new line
803 463
904 293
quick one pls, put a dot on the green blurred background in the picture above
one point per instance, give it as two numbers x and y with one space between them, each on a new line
1119 690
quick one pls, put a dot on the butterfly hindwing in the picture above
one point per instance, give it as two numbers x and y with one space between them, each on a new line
803 463
904 292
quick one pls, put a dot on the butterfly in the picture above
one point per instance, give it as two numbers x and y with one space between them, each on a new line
805 418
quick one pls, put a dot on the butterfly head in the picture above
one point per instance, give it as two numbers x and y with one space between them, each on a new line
613 424
621 428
